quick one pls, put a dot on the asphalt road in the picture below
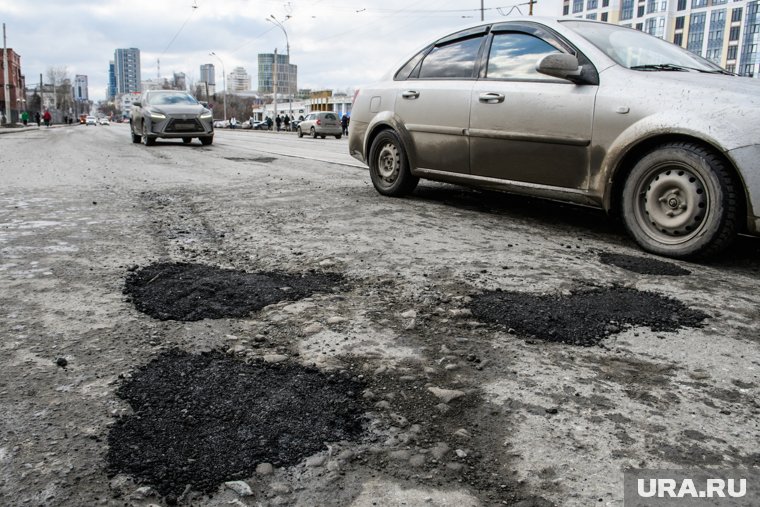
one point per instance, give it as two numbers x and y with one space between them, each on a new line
457 409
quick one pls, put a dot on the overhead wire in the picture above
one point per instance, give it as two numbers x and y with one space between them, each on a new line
195 7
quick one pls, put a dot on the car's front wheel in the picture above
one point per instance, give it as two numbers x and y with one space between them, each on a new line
187 140
136 138
205 141
680 201
300 134
146 139
389 166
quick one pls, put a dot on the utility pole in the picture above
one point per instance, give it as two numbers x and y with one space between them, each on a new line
274 83
530 7
6 85
481 10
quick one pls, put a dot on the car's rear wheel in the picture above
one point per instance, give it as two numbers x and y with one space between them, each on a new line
136 138
146 139
205 141
187 140
338 136
313 133
389 166
680 201
300 134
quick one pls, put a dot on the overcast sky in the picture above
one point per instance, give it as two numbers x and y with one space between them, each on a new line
337 44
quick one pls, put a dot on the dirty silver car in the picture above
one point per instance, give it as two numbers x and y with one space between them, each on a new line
322 124
578 111
170 114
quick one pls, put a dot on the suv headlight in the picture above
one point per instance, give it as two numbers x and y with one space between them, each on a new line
157 116
206 116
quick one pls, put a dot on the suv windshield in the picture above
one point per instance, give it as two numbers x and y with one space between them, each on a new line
639 51
162 99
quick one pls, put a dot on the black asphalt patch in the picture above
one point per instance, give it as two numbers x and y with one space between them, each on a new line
642 265
262 160
586 317
190 292
206 419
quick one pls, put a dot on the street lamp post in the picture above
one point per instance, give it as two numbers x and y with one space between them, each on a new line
224 83
275 21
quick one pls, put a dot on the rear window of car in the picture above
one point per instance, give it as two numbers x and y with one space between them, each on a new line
330 116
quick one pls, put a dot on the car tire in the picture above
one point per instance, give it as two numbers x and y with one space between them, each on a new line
187 140
338 136
146 139
206 141
322 136
313 133
300 134
135 137
389 166
681 201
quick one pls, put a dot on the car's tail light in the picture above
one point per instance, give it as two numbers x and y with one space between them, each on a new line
319 122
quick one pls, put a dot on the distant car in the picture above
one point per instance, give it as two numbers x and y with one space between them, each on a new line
90 120
221 124
579 111
104 121
322 124
260 125
170 114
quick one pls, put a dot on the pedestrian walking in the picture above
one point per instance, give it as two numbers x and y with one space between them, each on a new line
269 123
46 117
25 118
278 121
233 123
37 118
286 120
344 123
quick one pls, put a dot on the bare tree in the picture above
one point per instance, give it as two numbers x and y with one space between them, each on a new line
61 80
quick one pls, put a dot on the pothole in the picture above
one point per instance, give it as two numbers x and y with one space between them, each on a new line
262 160
190 292
201 420
585 317
642 265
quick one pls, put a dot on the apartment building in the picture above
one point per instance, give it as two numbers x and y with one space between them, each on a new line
723 31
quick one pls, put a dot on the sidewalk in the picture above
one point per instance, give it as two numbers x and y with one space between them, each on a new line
4 129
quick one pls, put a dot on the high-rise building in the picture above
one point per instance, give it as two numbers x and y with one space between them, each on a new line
287 74
180 81
127 70
208 74
238 80
727 34
81 94
111 91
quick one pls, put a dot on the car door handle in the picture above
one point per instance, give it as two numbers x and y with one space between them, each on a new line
410 94
491 98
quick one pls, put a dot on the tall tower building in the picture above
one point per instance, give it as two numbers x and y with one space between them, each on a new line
111 91
80 88
127 70
287 74
238 80
208 74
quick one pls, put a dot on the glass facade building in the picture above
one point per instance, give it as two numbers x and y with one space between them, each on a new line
287 75
127 70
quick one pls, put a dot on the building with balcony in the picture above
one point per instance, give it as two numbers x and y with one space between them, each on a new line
127 70
238 80
726 33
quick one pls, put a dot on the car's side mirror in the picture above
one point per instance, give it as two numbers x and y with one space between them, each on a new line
561 65
137 103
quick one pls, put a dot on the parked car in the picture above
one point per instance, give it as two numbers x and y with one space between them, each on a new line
322 124
90 120
578 111
170 114
260 125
